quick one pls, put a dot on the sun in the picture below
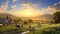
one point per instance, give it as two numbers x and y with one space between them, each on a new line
28 13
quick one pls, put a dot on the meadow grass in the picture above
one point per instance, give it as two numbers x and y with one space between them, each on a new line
46 28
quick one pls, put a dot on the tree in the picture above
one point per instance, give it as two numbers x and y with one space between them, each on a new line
57 17
0 20
25 22
30 21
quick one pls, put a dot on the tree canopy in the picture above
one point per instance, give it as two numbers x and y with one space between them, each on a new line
57 17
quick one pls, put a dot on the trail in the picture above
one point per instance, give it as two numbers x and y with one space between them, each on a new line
25 32
11 32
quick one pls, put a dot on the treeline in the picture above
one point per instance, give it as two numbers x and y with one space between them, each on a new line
56 17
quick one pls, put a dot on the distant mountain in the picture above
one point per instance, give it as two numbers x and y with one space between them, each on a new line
5 14
41 17
46 17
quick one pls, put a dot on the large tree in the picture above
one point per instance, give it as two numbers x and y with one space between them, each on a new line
30 21
57 17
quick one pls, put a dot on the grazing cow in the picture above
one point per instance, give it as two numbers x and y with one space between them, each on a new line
19 26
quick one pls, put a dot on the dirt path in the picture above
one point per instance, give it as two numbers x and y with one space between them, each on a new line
11 32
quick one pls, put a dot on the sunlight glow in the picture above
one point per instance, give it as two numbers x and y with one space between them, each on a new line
29 13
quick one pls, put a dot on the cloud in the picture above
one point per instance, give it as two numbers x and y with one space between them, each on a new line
4 7
15 0
13 7
28 6
13 10
56 6
49 10
52 9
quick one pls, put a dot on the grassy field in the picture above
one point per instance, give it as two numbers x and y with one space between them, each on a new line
45 29
7 28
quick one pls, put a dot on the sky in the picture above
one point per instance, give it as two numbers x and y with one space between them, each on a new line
41 6
45 3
